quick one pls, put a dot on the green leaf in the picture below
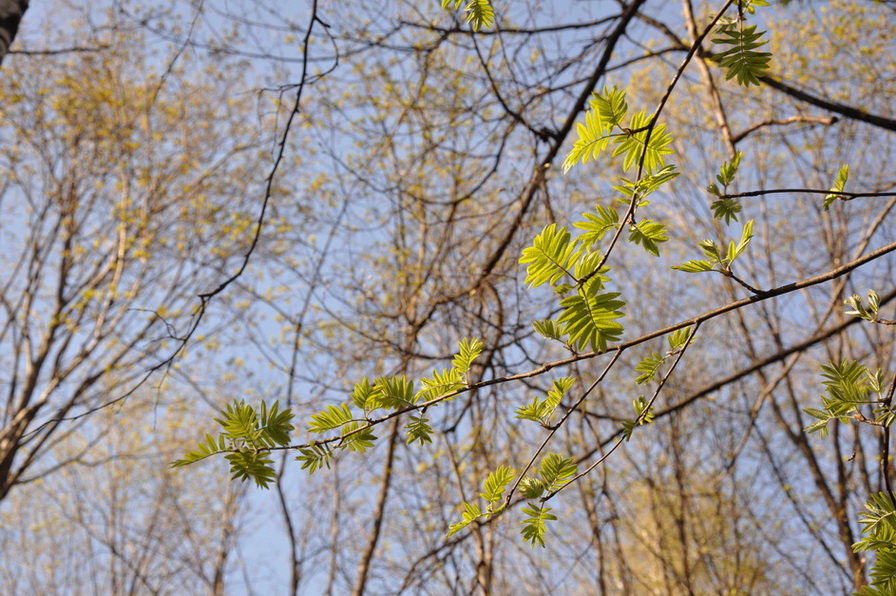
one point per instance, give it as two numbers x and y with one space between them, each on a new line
531 488
471 513
729 169
607 111
330 419
648 234
878 523
275 425
644 416
418 429
541 411
839 185
596 225
211 447
448 381
746 235
555 471
847 387
694 267
741 59
641 417
537 411
590 321
679 338
362 394
712 251
559 389
549 329
315 457
648 368
480 14
497 481
247 463
648 184
634 145
392 393
534 526
359 441
726 209
587 269
469 351
610 105
551 256
240 422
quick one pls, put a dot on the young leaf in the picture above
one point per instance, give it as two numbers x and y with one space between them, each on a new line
471 514
607 111
551 256
359 441
275 425
469 351
839 184
694 267
479 14
712 251
392 393
729 170
648 184
726 209
555 471
497 481
418 429
590 321
248 463
362 393
549 329
648 368
597 224
648 234
679 338
746 235
211 447
741 59
534 526
633 146
537 411
315 457
330 419
531 488
448 381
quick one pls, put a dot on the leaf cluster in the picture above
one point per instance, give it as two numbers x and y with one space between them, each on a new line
247 437
541 410
642 141
848 386
741 58
588 316
878 523
716 260
554 473
724 207
493 493
479 12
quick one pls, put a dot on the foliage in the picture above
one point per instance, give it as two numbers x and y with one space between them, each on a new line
741 59
421 302
248 434
479 12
